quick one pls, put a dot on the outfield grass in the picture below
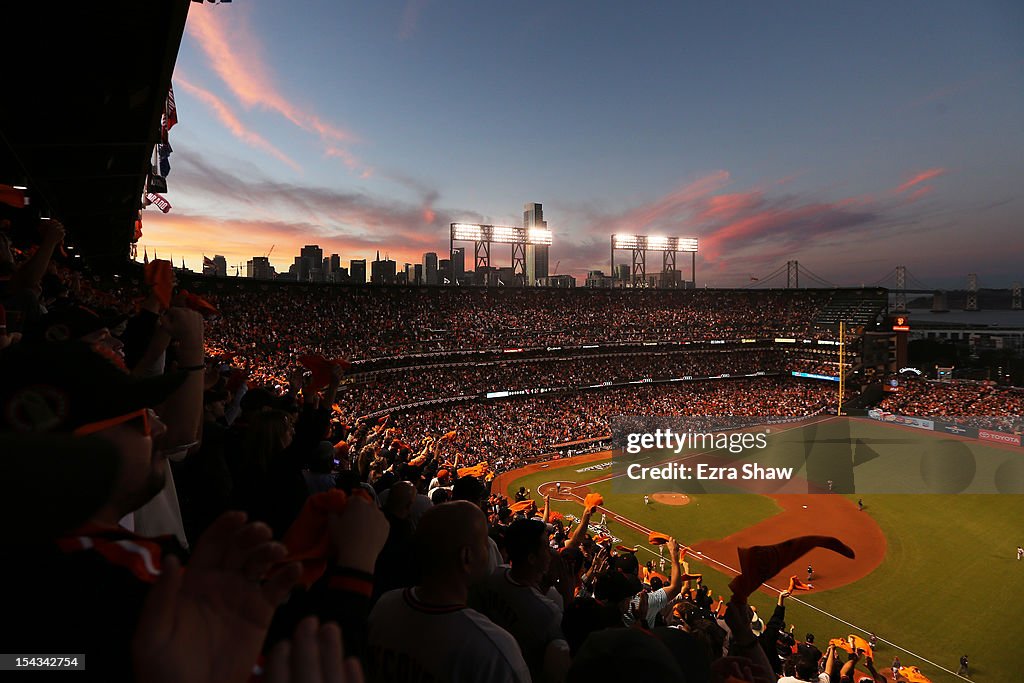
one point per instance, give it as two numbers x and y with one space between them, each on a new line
950 583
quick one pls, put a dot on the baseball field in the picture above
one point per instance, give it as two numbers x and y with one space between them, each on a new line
936 574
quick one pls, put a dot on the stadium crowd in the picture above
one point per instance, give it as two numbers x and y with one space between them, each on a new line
269 328
379 390
175 520
977 404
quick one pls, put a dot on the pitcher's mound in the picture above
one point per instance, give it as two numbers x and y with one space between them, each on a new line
671 498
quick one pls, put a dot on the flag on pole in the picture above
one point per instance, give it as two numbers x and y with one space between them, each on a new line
170 111
159 200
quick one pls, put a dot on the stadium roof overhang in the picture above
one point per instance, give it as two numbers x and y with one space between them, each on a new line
85 85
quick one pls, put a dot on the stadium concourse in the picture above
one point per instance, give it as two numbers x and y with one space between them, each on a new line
320 461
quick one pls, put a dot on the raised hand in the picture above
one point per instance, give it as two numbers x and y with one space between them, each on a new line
313 655
208 622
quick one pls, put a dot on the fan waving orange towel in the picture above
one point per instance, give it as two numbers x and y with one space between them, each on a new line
307 539
657 538
321 369
592 500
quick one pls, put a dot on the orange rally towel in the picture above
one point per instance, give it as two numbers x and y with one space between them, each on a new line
657 538
521 506
862 644
914 675
841 644
160 277
321 369
626 549
592 500
198 303
307 539
795 584
450 435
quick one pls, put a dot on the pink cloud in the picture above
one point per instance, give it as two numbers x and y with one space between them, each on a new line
919 193
235 55
727 206
232 122
920 178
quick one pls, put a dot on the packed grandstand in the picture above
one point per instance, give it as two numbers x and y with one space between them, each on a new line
359 430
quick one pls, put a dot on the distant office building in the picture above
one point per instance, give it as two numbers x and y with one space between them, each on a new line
536 254
335 263
417 278
430 276
560 281
458 263
382 272
622 271
357 271
259 268
597 278
310 264
220 266
444 272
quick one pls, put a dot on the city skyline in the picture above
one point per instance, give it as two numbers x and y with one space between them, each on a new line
850 138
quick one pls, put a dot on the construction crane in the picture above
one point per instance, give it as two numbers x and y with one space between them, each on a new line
267 255
557 263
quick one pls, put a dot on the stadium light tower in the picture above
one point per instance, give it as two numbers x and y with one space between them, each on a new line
639 245
482 236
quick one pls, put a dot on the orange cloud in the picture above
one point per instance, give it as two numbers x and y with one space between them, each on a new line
920 178
236 57
232 122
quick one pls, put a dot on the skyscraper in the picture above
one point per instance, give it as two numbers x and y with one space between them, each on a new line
536 254
311 267
458 263
357 271
382 272
430 276
220 266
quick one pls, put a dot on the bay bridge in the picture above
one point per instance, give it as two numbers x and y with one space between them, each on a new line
896 281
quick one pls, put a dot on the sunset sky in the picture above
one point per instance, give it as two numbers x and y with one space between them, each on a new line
851 136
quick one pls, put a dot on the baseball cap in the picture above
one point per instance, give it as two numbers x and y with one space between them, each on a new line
57 387
53 483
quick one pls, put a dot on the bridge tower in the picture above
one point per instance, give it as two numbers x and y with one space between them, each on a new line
1015 301
792 275
901 286
972 292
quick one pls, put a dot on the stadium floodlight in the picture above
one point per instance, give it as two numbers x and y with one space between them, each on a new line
499 234
668 246
538 236
654 242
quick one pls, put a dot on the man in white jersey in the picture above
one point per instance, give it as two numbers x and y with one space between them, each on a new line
644 607
511 598
427 633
